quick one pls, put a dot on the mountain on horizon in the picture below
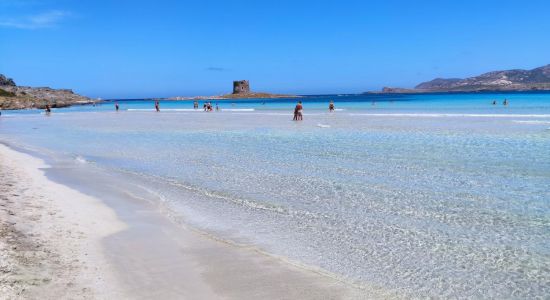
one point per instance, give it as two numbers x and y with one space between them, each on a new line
537 79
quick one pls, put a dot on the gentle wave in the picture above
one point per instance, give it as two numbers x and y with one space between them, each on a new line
453 115
80 159
531 122
237 109
189 109
170 109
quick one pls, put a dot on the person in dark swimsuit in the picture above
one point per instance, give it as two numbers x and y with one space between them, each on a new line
48 109
331 106
157 106
116 106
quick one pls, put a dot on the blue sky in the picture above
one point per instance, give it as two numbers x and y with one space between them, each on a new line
125 49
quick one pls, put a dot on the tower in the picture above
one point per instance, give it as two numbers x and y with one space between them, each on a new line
241 87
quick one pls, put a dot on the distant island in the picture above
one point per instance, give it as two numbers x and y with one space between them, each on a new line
23 97
537 79
241 90
13 96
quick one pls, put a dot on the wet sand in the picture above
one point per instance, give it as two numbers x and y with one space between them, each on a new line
100 242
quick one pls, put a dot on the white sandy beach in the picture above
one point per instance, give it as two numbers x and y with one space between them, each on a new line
50 236
59 243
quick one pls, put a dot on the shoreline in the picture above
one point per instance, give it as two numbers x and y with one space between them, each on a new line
140 253
50 245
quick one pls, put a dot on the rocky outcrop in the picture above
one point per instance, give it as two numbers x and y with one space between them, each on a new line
393 90
21 97
241 90
5 81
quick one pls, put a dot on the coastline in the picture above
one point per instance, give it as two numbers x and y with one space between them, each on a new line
50 240
133 252
403 91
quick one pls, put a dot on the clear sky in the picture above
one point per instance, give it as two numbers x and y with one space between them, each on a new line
124 49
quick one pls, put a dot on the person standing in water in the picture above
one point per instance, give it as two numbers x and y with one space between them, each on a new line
298 112
116 106
494 102
505 102
217 107
331 106
195 104
48 109
157 106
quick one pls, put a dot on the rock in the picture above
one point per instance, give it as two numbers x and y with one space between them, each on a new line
5 93
395 90
22 97
6 81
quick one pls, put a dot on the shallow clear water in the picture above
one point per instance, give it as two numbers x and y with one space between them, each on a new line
428 195
524 103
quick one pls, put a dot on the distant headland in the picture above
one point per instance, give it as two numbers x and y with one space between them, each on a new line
517 80
13 96
241 90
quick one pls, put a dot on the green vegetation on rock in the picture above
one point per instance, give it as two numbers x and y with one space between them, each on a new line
4 93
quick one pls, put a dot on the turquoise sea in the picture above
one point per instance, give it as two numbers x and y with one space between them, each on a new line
442 195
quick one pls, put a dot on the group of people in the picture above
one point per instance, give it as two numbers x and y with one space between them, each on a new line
298 116
298 112
505 102
207 106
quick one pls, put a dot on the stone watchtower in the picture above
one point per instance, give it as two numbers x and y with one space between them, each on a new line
241 87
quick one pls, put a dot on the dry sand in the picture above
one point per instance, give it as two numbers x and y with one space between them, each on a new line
58 243
50 236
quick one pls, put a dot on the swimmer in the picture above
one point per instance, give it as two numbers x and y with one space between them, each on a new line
116 106
157 105
331 106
